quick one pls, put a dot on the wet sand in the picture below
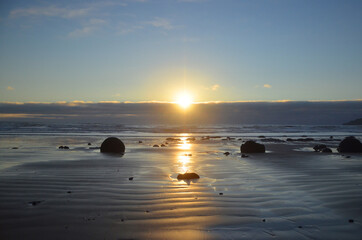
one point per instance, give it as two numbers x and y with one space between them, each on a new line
83 194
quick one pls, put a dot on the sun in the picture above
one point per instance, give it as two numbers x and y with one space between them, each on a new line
184 100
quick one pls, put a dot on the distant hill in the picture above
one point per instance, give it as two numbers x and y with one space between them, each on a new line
354 122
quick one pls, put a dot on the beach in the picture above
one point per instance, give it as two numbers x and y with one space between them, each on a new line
289 192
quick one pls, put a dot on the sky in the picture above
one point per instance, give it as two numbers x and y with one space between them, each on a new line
151 50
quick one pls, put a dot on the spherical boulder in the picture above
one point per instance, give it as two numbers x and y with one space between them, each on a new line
252 147
112 145
350 144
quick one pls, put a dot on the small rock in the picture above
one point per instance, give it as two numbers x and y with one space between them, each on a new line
15 148
156 145
63 147
348 156
163 145
69 192
244 156
226 153
264 220
188 176
139 141
319 147
221 194
350 220
34 203
89 144
300 227
131 178
326 150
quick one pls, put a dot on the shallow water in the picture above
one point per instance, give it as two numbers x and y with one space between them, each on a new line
283 194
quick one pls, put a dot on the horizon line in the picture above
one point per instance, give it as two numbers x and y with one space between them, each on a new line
78 102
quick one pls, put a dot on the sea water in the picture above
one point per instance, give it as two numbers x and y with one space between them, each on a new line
100 129
26 142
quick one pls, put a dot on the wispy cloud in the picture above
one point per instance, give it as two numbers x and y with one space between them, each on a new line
88 28
215 87
160 23
125 28
267 86
49 11
9 88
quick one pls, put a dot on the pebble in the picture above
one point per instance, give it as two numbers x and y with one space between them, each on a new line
34 203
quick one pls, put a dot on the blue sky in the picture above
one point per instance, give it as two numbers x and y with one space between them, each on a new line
149 50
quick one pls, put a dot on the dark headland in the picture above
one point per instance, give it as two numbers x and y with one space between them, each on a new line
357 121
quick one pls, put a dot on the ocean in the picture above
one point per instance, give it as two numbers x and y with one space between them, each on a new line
100 129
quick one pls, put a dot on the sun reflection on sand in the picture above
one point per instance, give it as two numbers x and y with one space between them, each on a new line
184 157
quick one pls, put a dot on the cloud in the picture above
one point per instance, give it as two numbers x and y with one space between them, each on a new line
9 88
267 86
91 26
284 112
215 87
125 28
49 11
160 23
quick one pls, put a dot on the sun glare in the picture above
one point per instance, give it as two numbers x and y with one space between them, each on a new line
184 100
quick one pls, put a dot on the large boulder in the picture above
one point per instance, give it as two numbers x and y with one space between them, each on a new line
350 144
252 147
112 145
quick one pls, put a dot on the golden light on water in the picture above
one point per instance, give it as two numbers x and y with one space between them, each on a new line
184 100
184 159
184 144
